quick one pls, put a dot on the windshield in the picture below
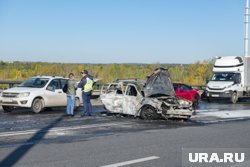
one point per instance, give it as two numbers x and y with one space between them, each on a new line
34 82
225 76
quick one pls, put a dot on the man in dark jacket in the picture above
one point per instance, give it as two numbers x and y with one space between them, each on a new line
86 84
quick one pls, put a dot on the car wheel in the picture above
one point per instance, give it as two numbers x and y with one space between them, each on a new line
196 101
77 104
7 108
37 105
148 112
234 97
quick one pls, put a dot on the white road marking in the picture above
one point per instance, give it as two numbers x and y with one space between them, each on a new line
132 161
17 133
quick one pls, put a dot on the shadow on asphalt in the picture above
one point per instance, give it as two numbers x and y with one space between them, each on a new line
17 154
49 110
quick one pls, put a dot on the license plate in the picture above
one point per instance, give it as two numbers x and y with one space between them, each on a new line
214 95
7 100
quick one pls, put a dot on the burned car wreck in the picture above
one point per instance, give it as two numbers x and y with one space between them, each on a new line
152 99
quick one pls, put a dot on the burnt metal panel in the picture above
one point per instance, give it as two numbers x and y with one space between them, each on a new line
159 83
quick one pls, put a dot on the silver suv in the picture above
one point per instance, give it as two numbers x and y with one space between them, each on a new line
37 93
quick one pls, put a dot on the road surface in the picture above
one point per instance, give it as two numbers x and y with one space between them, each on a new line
51 139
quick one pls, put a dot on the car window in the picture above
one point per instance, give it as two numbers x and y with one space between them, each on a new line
131 91
63 82
175 86
223 76
186 87
237 78
113 88
55 84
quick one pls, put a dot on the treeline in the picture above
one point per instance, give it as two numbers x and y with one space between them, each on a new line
196 73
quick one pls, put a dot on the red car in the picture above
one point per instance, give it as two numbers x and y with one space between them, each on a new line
187 92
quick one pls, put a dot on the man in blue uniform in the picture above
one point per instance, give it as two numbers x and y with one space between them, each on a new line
86 84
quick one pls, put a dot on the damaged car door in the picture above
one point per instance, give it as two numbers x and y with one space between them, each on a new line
132 99
112 97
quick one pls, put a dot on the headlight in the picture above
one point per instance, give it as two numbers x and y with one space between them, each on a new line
25 94
184 102
228 91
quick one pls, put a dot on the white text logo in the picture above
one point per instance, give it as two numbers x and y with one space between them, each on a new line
215 158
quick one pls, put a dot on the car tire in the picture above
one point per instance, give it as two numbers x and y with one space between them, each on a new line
37 105
148 113
234 98
7 108
77 104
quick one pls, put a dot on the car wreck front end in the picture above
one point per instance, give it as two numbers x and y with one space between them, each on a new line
165 107
160 98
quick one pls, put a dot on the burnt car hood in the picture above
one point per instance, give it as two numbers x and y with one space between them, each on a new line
159 83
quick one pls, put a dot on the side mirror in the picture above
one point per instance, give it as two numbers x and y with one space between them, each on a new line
237 81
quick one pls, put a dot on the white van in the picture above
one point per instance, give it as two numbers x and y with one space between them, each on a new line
231 79
37 93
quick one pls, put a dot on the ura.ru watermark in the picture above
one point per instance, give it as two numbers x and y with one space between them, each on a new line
213 157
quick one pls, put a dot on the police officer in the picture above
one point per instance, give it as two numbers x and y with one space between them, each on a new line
86 84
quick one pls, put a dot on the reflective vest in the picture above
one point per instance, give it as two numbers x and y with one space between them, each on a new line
89 85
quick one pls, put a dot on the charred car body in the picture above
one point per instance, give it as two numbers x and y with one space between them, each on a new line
152 99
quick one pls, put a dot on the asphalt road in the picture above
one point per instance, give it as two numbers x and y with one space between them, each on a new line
50 139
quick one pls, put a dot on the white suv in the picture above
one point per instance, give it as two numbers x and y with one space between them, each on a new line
37 93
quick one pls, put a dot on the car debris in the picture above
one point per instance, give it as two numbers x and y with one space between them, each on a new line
152 99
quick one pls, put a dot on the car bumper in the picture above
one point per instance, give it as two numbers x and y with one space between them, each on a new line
15 102
219 94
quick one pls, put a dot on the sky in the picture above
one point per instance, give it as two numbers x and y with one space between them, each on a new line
120 31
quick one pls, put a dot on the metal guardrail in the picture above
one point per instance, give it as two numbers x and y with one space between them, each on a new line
12 83
9 82
96 91
200 87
